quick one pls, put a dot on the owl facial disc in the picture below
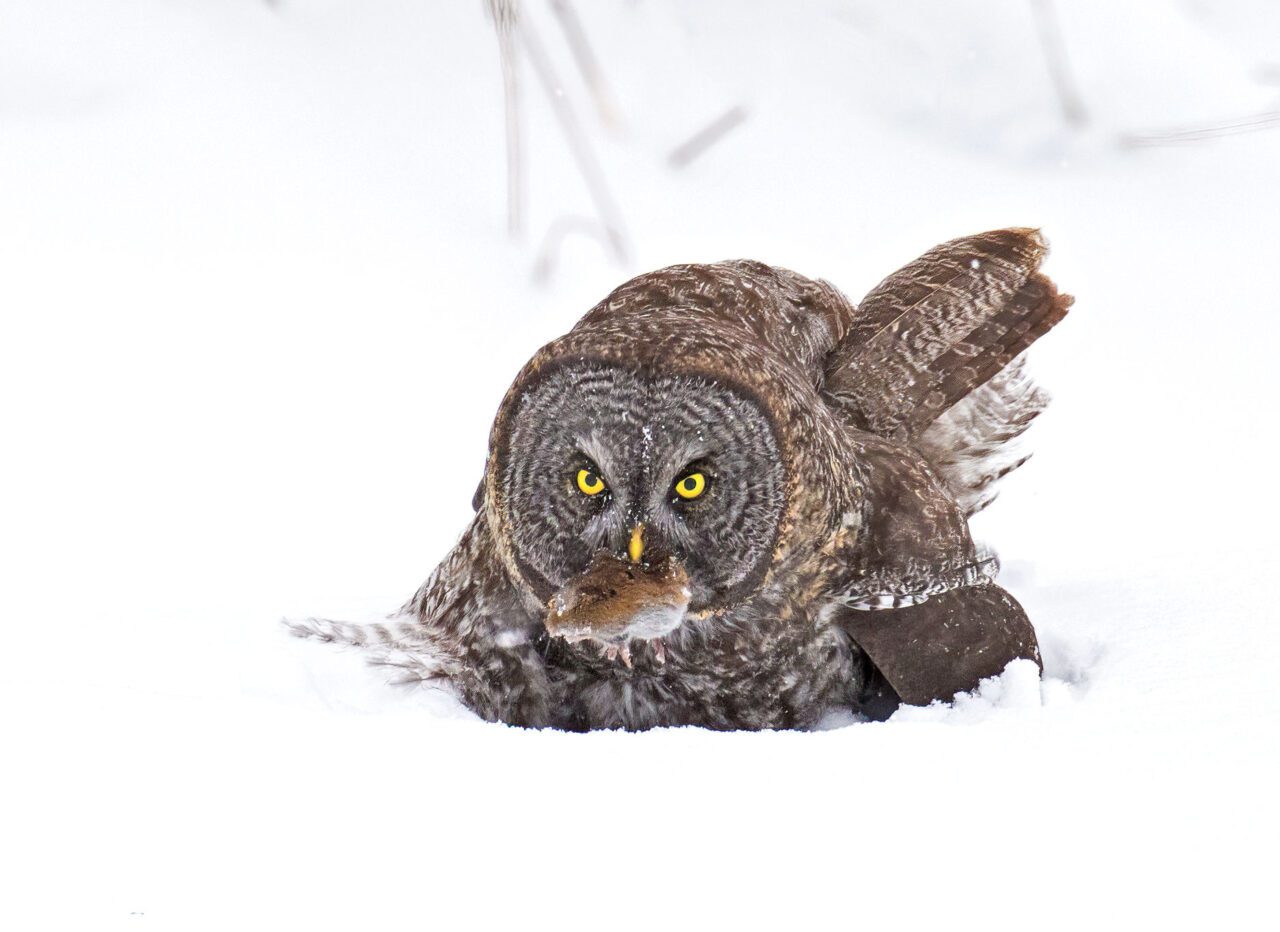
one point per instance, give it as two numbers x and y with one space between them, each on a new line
665 489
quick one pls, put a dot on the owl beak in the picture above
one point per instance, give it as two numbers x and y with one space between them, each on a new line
635 549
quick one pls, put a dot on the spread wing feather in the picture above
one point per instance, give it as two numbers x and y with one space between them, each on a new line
932 356
941 327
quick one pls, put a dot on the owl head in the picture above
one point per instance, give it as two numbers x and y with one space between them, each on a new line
655 471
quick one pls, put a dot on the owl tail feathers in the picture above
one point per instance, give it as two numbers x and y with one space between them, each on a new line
401 642
932 356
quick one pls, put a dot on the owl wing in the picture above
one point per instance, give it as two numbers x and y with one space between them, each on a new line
940 647
912 591
929 370
465 629
931 357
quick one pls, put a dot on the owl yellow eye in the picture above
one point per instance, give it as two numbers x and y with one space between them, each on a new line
589 482
692 485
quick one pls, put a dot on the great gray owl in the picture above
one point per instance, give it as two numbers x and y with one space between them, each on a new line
729 497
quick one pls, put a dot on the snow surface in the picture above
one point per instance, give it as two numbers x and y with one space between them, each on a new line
259 308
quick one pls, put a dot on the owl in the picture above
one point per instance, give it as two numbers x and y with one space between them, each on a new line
729 497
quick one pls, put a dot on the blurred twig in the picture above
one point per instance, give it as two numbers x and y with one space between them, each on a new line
504 14
1058 62
706 137
606 208
588 64
557 233
1249 124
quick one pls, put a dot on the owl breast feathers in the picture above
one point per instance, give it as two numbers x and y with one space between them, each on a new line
731 498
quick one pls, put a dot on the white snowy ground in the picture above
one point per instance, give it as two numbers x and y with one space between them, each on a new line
259 308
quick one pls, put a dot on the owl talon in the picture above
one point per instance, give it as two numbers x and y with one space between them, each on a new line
625 653
659 651
611 653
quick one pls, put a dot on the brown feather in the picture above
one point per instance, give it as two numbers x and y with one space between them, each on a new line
941 327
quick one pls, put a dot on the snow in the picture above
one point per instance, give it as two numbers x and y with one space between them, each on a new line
259 308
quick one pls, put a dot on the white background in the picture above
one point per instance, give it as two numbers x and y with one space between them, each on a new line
259 307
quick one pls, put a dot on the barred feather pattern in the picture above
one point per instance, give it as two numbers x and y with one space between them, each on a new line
466 630
912 585
402 642
940 328
974 444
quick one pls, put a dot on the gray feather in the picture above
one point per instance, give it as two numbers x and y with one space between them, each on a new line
975 443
